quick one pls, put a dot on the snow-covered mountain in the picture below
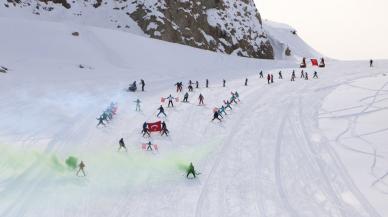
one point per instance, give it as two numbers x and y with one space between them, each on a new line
226 26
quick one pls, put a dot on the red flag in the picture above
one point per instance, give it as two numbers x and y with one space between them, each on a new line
155 127
314 62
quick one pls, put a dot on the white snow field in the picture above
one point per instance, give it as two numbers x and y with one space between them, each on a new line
289 149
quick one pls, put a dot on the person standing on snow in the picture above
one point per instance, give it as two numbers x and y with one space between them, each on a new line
145 130
246 82
315 74
138 104
200 98
164 130
306 76
149 146
215 116
222 110
261 74
170 101
371 63
228 105
293 75
142 84
302 74
122 145
191 171
196 84
101 120
186 97
223 83
207 83
161 111
269 78
81 167
190 87
280 75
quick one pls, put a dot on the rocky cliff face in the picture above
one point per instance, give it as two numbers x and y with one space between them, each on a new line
227 26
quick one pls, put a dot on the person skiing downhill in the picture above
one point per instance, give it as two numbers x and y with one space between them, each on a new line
122 145
269 78
207 83
302 74
81 167
223 83
246 82
236 95
315 74
280 75
186 97
145 130
200 98
142 84
164 130
191 171
137 101
170 101
261 74
161 111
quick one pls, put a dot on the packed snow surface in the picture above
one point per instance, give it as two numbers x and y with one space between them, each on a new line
279 152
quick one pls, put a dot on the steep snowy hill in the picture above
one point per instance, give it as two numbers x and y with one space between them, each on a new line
226 26
268 156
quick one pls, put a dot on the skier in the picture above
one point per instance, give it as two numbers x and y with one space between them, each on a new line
315 74
280 75
138 104
246 82
145 130
223 83
190 88
142 84
101 120
170 101
191 170
302 74
215 116
81 168
236 95
178 87
149 146
186 97
132 87
196 84
161 111
200 98
261 74
293 75
207 83
306 77
268 78
222 110
271 78
122 145
371 63
228 105
164 130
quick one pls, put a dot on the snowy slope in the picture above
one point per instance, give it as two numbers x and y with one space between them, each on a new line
268 157
223 26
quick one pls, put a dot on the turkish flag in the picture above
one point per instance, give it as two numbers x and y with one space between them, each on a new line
155 127
314 62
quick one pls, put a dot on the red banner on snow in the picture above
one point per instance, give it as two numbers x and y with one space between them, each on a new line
155 127
314 62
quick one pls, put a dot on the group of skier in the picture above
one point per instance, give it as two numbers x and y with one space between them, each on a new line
107 115
217 112
303 75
